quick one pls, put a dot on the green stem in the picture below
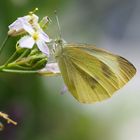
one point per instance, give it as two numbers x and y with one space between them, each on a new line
4 43
20 71
7 66
23 54
23 61
48 74
2 67
22 67
11 58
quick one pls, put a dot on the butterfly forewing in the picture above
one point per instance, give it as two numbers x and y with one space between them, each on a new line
92 74
120 66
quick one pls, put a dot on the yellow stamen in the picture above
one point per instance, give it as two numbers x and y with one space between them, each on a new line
32 12
35 36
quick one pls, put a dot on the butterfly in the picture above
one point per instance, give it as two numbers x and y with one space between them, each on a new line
92 74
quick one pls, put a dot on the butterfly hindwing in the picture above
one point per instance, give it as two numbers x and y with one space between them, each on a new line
92 74
78 82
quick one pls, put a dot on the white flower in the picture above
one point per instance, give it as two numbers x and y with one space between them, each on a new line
18 27
29 24
36 36
50 68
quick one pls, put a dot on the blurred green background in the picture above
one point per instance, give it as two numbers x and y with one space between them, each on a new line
35 102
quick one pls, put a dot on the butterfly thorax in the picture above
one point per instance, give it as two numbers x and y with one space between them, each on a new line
58 46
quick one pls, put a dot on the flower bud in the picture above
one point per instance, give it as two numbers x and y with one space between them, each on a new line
39 64
44 22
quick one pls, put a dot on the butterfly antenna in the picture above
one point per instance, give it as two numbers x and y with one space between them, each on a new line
58 24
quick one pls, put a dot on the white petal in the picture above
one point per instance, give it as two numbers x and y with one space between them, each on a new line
43 47
24 24
33 21
20 25
43 36
51 67
16 28
17 25
33 18
26 42
27 26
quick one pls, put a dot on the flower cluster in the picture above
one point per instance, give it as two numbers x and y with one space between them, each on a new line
34 34
32 49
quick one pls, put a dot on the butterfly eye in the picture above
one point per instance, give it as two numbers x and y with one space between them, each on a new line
58 41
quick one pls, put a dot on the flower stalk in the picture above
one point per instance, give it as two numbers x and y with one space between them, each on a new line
4 43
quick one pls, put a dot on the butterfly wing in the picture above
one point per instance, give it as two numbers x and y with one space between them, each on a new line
93 74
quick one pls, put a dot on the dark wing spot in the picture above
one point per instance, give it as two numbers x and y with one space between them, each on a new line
91 81
106 70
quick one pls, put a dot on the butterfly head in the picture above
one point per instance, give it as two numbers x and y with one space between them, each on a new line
58 47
